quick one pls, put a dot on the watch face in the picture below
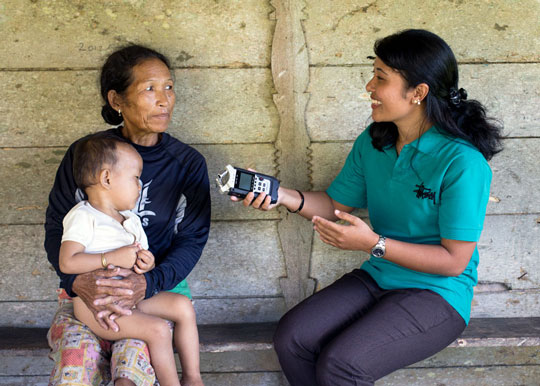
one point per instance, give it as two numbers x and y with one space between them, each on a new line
377 252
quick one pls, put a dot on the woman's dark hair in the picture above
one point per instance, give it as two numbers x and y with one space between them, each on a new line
91 153
421 56
116 74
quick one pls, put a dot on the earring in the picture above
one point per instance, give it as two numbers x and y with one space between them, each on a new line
119 112
418 102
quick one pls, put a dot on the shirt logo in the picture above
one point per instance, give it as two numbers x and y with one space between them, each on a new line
422 192
141 203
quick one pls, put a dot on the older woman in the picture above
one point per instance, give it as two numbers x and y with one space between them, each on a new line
174 207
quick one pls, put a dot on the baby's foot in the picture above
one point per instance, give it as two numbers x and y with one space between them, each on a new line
191 381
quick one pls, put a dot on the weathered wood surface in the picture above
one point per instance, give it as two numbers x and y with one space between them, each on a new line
290 71
510 250
212 338
508 247
508 303
339 107
342 32
221 52
234 264
210 101
213 106
487 346
244 309
465 376
233 282
251 309
516 174
227 268
64 33
239 337
247 378
29 360
256 264
27 363
34 170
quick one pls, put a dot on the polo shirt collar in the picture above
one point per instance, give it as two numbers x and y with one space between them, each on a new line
428 143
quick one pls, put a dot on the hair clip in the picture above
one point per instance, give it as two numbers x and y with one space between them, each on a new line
456 96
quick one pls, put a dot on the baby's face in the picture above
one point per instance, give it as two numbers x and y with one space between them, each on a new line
125 178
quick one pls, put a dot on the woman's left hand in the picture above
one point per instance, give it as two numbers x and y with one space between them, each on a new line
107 296
356 236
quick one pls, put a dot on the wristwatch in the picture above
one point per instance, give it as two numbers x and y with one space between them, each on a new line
380 248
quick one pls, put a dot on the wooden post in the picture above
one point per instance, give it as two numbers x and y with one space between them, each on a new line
290 71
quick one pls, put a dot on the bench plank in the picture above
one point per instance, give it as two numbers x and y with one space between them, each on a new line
258 336
246 349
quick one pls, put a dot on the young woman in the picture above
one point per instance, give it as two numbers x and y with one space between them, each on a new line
421 170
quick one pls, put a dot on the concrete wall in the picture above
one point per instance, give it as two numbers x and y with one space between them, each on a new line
226 56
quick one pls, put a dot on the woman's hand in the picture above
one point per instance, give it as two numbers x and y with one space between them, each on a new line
107 297
262 201
356 236
145 261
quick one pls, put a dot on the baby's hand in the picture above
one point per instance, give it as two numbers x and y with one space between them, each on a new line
145 261
124 257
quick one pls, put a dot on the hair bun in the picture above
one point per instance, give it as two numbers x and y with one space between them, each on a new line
110 115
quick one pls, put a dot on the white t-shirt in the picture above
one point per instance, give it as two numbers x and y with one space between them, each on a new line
99 232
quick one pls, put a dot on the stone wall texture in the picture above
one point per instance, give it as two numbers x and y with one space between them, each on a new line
224 55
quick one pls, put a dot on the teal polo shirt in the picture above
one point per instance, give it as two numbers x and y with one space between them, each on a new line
437 188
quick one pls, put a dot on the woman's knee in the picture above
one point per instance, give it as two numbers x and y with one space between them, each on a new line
290 337
334 366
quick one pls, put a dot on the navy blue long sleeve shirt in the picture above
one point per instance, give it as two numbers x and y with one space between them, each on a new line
174 208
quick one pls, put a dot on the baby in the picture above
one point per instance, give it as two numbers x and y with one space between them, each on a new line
103 231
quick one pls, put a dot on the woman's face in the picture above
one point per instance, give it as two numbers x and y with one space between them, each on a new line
391 101
147 104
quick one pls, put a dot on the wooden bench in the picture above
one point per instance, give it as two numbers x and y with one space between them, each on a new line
245 350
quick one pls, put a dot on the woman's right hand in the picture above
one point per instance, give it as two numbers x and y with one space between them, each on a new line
262 201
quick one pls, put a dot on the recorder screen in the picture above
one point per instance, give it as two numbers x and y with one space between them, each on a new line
245 181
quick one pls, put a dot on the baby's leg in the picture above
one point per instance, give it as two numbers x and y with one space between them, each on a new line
152 329
178 308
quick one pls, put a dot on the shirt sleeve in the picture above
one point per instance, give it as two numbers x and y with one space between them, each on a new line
349 187
190 235
61 200
79 227
464 197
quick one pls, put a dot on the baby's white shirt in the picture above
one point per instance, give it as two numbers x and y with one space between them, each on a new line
99 232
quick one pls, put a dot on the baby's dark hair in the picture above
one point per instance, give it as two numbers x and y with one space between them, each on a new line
91 153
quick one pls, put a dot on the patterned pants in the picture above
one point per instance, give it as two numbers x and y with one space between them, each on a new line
81 358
